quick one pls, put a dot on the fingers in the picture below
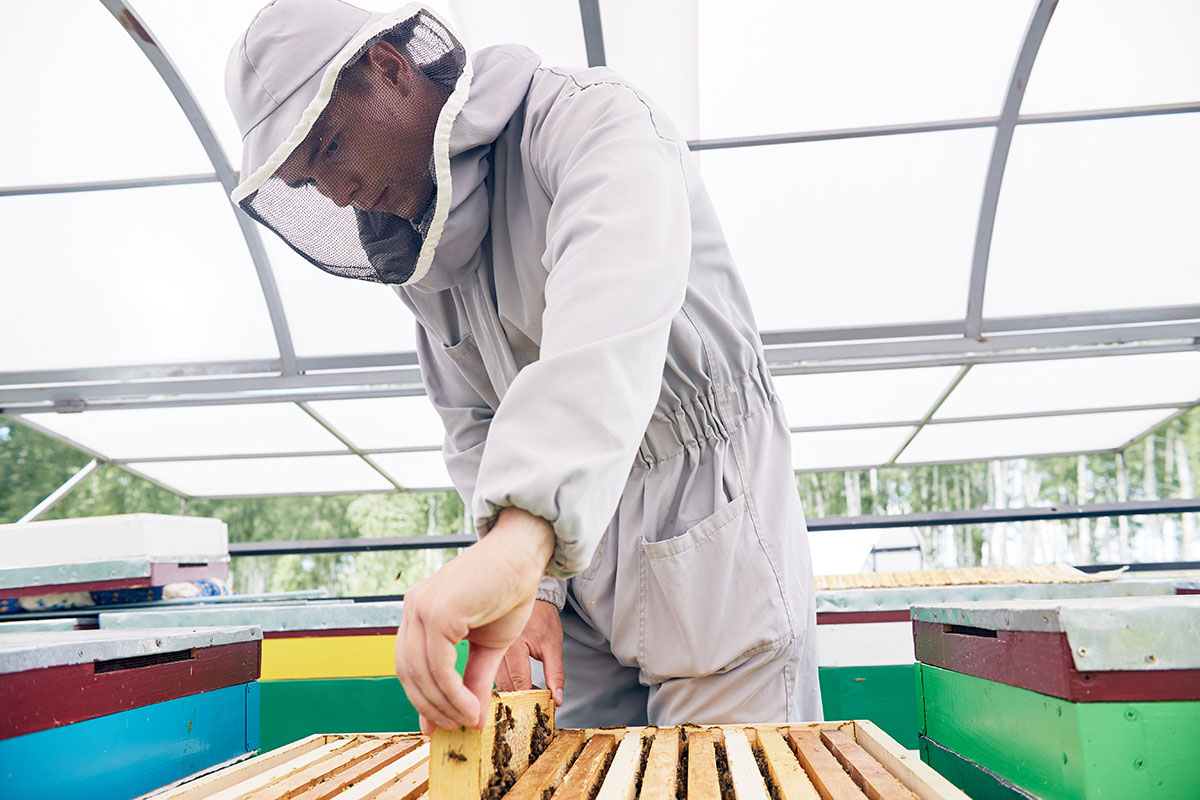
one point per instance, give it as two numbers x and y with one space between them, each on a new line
514 675
482 663
416 671
552 665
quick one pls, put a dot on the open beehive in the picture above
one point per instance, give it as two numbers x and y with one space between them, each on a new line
519 755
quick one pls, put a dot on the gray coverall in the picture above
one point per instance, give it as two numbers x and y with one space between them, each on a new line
589 345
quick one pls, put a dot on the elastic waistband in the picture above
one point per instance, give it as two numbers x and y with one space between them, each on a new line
713 415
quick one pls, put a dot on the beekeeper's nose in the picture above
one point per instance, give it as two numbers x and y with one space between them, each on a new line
338 186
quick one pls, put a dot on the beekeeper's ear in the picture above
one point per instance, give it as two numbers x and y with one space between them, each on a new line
389 64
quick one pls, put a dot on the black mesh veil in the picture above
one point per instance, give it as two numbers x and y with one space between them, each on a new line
355 188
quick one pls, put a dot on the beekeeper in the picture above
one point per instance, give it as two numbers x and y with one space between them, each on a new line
586 339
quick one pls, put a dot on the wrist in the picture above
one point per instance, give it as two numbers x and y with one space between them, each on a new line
527 539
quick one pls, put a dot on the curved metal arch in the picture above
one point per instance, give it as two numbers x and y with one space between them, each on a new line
136 28
593 32
1034 33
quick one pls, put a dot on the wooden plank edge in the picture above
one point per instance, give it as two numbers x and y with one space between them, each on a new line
917 776
215 782
876 781
385 778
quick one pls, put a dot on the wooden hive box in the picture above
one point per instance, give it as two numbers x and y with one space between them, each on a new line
328 666
1065 699
830 760
865 638
103 714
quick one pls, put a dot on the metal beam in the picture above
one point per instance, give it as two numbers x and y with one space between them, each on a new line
311 546
1073 337
106 186
58 494
805 137
141 35
1034 34
350 445
985 516
941 399
593 32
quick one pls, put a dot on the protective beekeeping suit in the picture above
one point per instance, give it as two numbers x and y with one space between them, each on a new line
588 344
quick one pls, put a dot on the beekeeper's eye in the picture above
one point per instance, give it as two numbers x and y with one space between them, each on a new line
301 183
331 148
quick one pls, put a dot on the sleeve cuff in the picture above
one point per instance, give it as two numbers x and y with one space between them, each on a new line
553 591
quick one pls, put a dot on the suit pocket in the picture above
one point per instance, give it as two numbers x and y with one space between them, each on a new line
469 360
711 598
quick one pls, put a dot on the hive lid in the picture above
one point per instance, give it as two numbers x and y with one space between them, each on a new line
40 649
1115 633
304 616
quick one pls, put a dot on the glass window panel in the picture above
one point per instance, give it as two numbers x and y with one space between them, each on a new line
259 477
378 423
198 36
1112 53
853 232
212 431
91 108
133 276
1110 382
333 316
1036 436
655 46
769 67
867 447
423 470
853 398
1098 215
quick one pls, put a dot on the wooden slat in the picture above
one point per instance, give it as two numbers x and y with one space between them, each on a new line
385 778
548 771
875 781
583 775
662 765
409 787
784 769
322 770
460 762
921 779
389 754
748 783
619 781
702 780
203 787
823 769
281 771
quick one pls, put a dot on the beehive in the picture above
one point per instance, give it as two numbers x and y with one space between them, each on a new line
519 756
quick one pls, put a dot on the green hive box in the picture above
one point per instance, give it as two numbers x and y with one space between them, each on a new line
1063 700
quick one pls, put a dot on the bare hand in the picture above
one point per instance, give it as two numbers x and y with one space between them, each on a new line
484 596
542 639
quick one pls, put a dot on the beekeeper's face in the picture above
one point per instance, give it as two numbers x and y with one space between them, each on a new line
371 146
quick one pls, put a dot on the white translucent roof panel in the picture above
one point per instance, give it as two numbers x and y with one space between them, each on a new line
1098 215
97 111
379 423
855 398
865 447
655 46
1034 436
423 470
198 36
333 316
853 232
770 67
202 431
1075 383
551 28
256 477
134 276
1112 53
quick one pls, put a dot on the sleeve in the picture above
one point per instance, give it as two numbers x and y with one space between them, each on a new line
465 415
618 243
